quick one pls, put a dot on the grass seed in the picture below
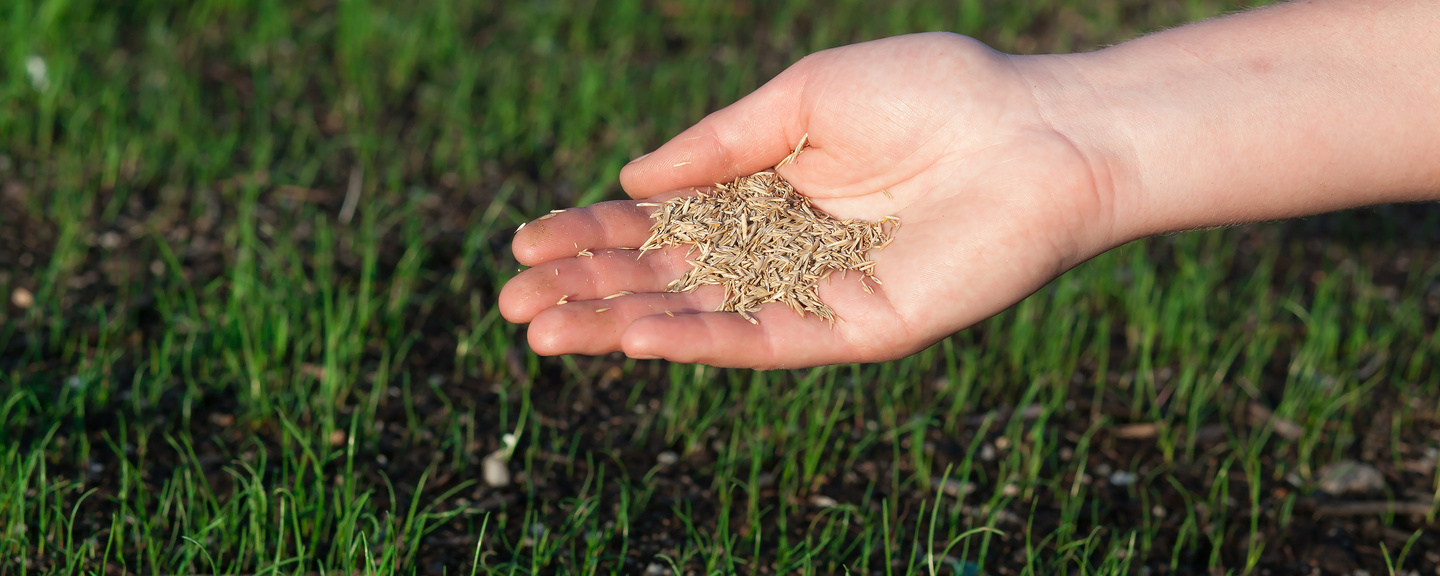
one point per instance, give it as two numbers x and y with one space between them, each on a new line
764 242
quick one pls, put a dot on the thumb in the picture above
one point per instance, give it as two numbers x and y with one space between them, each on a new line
748 136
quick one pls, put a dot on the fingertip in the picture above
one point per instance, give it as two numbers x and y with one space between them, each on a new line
524 248
631 180
512 307
747 136
677 164
566 233
544 337
628 171
530 293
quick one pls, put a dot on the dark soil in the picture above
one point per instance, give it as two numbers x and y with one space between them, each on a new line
592 407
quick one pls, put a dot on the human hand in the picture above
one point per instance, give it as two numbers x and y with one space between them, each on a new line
1006 171
935 129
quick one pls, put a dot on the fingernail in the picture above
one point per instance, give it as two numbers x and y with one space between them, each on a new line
645 357
641 157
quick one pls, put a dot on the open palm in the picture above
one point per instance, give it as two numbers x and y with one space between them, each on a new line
935 129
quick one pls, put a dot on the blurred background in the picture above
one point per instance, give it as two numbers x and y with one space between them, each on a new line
249 252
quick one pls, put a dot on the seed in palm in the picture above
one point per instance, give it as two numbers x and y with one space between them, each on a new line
764 242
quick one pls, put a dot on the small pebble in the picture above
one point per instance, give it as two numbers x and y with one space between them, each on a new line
956 488
494 471
1008 517
1350 477
1122 478
823 501
1010 490
110 240
667 458
656 569
1002 443
22 298
987 453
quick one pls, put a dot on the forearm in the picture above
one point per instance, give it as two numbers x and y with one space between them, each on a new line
1296 109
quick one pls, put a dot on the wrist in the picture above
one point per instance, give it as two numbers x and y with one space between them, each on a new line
1279 112
1071 103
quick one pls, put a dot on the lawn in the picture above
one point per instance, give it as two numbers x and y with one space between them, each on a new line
249 256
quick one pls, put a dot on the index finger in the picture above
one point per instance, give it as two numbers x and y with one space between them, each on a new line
565 233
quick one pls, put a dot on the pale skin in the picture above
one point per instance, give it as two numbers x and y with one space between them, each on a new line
1006 172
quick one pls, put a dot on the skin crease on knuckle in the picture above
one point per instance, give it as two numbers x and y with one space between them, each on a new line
758 352
555 332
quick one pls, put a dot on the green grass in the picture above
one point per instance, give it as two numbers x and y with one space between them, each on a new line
226 370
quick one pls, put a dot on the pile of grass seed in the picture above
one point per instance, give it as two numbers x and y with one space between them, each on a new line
764 242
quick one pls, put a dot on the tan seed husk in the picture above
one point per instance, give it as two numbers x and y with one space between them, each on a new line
764 242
